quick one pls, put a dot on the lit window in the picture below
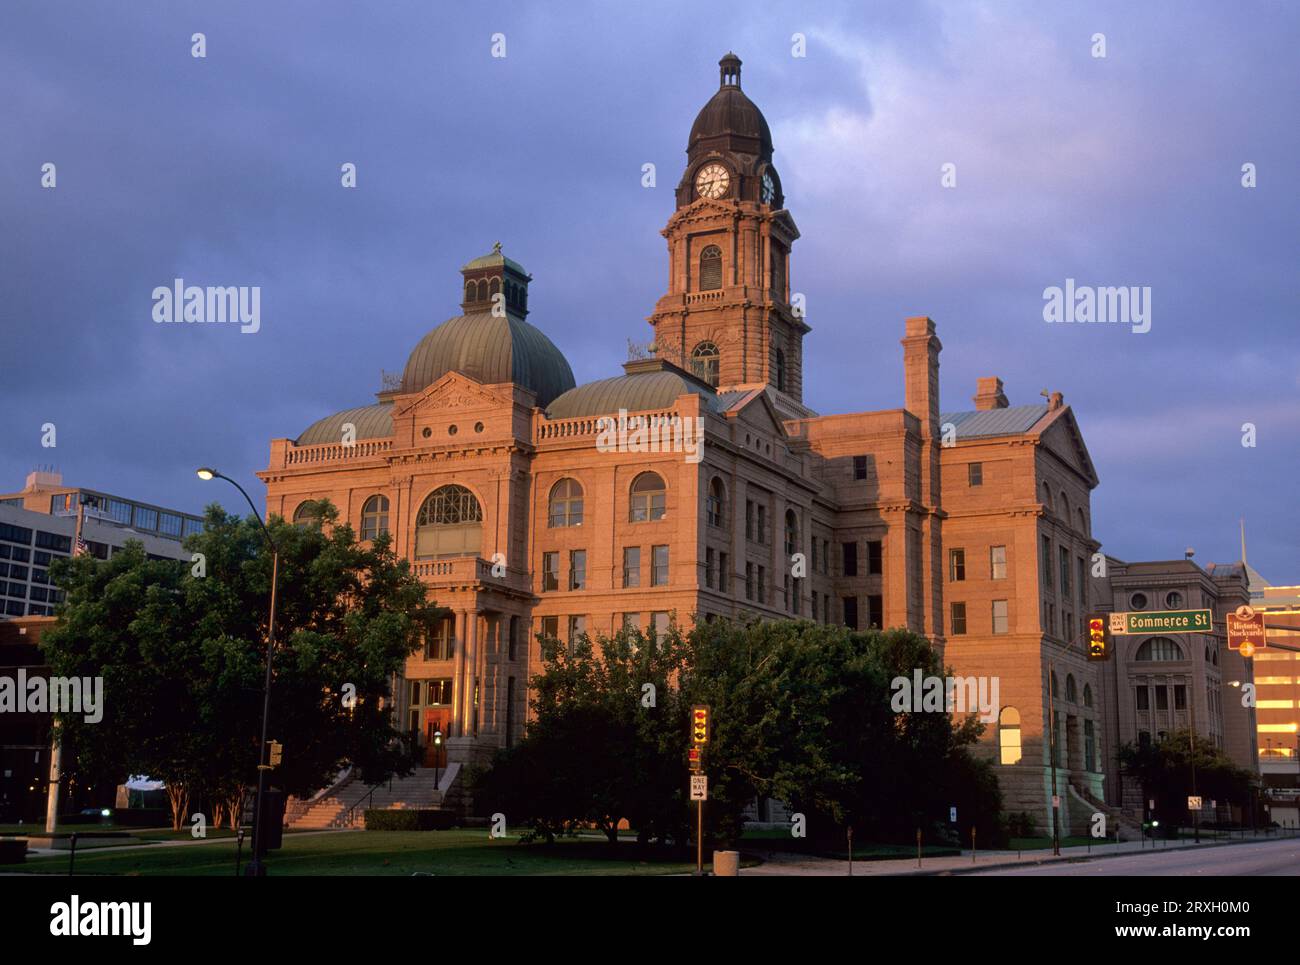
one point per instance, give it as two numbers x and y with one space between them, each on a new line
649 498
706 362
374 517
449 523
1009 735
565 507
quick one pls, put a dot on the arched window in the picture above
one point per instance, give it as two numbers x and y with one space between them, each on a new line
482 290
1159 648
374 517
1047 499
494 288
307 514
706 361
780 371
471 291
565 504
1064 505
1071 691
710 268
1009 735
716 503
791 533
1083 522
449 523
649 498
1087 695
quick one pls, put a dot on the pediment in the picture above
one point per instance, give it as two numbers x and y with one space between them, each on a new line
453 391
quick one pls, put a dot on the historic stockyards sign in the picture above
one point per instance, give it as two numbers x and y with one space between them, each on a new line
1168 621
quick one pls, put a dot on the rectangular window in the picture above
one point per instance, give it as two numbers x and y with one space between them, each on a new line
659 570
169 524
813 545
958 619
577 569
1047 564
998 562
631 566
514 638
957 565
762 524
851 612
749 519
785 591
1162 697
826 556
875 557
875 611
550 571
1143 698
577 627
53 541
17 572
1083 583
724 571
659 624
441 644
850 556
859 467
15 534
749 581
1000 616
826 607
145 518
814 607
632 621
1180 696
1051 618
1065 571
762 584
551 627
975 473
708 567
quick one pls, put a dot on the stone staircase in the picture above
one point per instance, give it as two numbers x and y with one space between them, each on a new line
345 806
1130 829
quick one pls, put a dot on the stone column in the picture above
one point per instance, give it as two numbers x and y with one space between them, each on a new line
458 676
471 673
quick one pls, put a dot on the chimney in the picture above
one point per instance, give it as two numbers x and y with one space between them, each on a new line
989 394
921 349
43 479
1055 401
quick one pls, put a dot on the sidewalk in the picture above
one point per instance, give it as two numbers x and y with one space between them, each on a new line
778 863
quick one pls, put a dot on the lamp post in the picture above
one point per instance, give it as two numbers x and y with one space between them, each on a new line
256 867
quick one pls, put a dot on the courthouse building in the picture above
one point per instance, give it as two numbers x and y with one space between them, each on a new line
495 475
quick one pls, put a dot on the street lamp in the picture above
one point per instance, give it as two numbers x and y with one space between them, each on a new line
256 867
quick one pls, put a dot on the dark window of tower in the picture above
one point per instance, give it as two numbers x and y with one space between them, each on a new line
706 362
716 502
471 291
495 287
778 272
565 504
648 498
374 517
791 533
710 268
780 371
482 290
449 523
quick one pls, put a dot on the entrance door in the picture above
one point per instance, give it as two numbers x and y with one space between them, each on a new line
436 719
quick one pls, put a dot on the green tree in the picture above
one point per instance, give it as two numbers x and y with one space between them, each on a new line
183 657
1165 769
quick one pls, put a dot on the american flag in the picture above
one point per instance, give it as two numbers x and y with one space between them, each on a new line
81 547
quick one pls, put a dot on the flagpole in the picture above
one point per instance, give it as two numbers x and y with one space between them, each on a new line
56 747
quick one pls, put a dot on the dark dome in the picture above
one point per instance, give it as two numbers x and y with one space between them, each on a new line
729 113
490 349
648 385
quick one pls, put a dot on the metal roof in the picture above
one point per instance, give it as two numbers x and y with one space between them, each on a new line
1011 421
371 422
491 349
637 392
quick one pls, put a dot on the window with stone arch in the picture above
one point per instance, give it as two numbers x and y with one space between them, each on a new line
1083 523
1009 736
791 533
1047 499
307 514
1087 695
780 370
1064 504
471 291
706 360
494 287
482 290
715 504
565 504
711 268
449 523
374 517
1159 648
1071 690
649 498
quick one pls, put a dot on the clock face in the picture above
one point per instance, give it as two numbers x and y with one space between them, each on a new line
712 181
768 191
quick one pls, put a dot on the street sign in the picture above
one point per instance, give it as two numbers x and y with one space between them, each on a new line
1056 800
1168 621
952 815
1193 803
1151 804
699 787
1246 630
1118 622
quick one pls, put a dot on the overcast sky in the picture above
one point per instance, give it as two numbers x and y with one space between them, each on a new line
225 170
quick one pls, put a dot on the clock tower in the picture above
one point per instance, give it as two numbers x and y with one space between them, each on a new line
730 314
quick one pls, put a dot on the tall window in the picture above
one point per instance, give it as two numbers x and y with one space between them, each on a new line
441 643
659 566
957 565
709 559
749 581
577 569
374 517
449 523
875 557
850 555
780 370
749 519
710 268
706 361
1071 689
631 566
791 533
724 570
1064 564
1089 746
975 474
958 619
778 272
565 504
875 611
1047 564
649 498
1009 735
851 612
998 562
550 571
1000 616
859 467
715 503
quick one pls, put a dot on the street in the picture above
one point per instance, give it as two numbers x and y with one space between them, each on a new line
1266 858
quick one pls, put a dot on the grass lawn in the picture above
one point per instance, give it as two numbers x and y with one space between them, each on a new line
456 852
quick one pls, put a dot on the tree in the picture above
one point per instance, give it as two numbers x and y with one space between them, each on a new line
1165 770
183 657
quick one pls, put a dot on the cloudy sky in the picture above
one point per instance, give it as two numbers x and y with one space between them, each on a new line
1122 170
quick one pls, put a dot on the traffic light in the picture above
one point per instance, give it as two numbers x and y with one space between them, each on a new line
277 753
699 725
1098 638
